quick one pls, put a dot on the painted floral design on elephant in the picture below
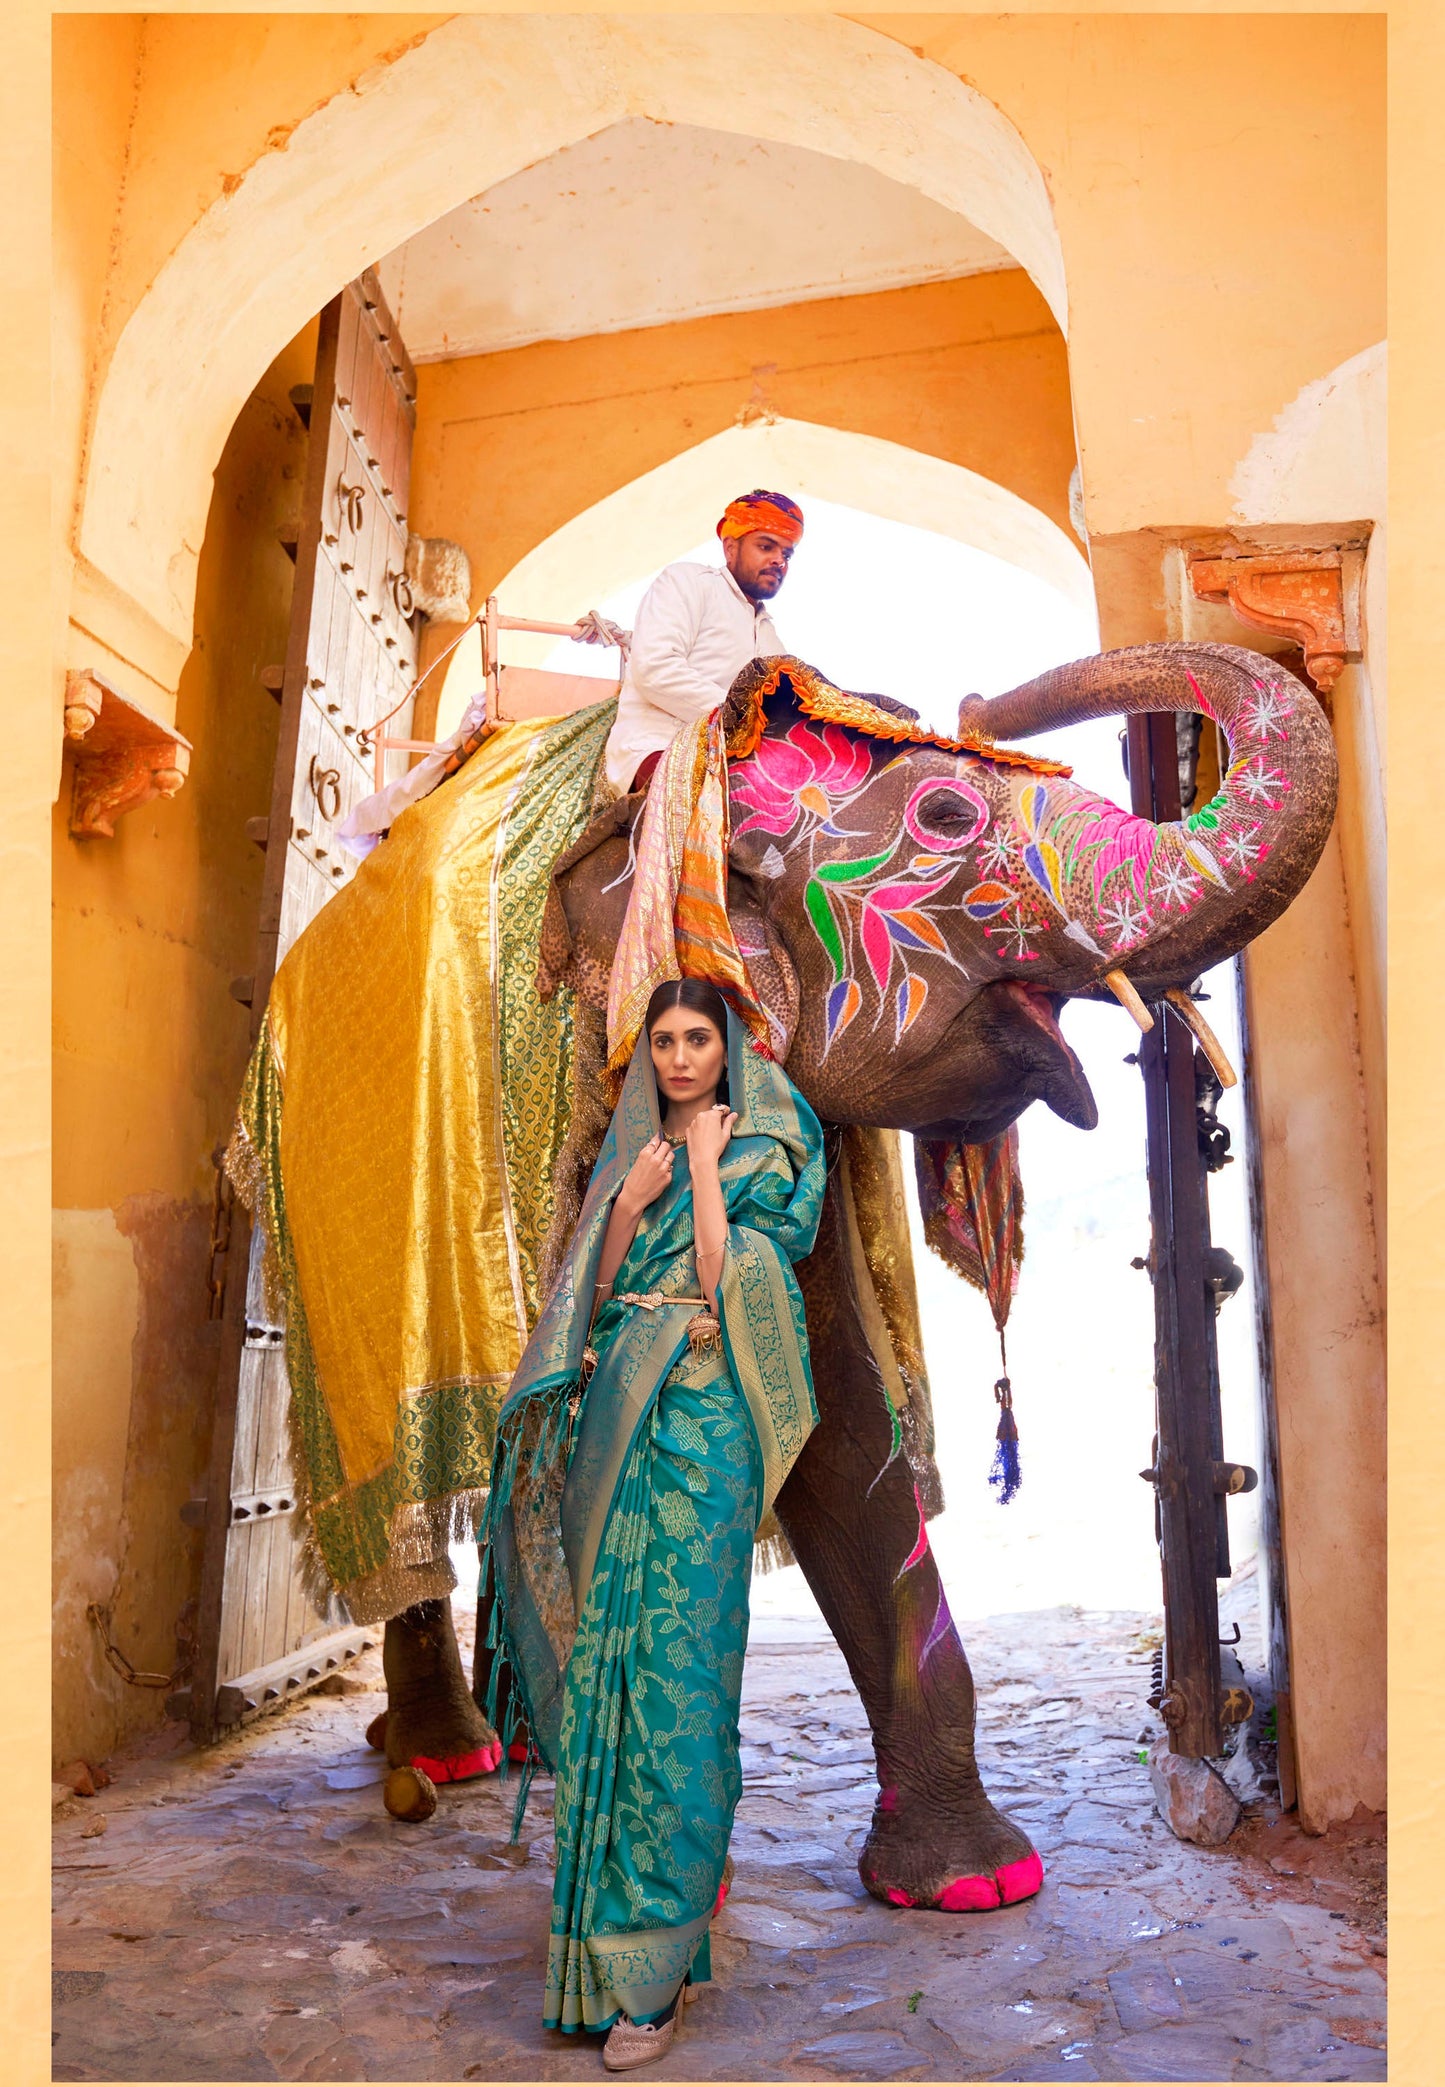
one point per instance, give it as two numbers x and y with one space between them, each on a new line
807 776
1024 859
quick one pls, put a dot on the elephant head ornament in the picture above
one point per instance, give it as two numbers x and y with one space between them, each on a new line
914 914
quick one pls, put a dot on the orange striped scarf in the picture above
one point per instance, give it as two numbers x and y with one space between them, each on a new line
676 924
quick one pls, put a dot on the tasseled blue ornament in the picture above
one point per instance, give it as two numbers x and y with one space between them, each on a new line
1005 1473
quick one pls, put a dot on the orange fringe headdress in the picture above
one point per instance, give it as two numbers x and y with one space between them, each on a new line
773 512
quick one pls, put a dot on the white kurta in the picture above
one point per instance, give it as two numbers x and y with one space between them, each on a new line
695 630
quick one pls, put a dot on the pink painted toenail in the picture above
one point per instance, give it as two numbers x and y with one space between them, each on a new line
888 1799
899 1898
969 1895
459 1768
1020 1880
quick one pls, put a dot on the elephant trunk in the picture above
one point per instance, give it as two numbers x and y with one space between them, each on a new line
1163 902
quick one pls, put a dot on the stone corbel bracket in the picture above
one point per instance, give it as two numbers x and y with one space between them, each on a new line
1309 597
123 757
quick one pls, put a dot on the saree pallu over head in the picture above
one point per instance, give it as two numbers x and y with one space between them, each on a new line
397 1139
561 1451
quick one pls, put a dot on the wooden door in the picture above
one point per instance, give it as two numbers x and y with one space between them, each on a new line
351 654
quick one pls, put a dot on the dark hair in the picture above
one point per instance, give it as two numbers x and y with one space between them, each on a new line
700 998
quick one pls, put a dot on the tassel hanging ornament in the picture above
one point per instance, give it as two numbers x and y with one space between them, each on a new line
973 1217
704 1335
1005 1473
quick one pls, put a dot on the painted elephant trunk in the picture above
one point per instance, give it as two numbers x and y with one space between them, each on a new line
1162 902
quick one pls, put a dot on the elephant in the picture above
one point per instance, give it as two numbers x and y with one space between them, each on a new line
914 917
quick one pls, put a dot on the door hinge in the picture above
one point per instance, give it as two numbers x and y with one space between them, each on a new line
223 1203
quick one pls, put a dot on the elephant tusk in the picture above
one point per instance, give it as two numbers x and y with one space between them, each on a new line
1209 1043
1128 999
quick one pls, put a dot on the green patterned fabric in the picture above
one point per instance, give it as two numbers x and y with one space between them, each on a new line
619 1539
535 1036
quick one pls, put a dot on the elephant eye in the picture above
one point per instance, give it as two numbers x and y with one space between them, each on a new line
945 814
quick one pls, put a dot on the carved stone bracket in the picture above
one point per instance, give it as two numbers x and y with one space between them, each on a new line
1310 597
123 757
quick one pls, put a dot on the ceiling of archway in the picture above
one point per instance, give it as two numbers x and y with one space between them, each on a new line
650 222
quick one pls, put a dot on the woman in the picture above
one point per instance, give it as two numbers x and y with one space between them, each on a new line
659 1405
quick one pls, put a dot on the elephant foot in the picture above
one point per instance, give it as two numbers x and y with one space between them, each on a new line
432 1722
915 1857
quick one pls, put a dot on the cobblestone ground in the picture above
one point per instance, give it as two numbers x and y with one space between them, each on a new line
251 1913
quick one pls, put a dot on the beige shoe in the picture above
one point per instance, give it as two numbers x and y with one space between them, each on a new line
637 2043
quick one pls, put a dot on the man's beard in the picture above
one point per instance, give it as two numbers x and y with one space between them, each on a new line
763 588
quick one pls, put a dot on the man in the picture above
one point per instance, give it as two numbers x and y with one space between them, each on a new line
697 626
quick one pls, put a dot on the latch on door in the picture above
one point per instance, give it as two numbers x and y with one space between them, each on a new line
352 501
326 789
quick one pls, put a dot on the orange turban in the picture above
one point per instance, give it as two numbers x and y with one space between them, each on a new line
774 513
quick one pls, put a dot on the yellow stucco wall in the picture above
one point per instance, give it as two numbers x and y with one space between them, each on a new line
149 1047
1218 182
96 63
511 446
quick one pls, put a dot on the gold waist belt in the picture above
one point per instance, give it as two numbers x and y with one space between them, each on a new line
651 1299
704 1334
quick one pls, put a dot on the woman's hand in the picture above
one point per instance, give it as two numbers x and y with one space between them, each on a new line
708 1134
647 1177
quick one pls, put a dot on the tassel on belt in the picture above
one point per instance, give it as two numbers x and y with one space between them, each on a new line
704 1333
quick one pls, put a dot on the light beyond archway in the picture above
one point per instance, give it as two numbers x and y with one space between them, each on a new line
481 97
661 514
640 526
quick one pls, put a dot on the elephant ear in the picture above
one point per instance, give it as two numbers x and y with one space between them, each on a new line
770 968
744 709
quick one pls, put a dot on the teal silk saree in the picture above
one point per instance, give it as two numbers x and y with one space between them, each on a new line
619 1534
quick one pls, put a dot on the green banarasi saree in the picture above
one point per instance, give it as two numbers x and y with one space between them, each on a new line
619 1539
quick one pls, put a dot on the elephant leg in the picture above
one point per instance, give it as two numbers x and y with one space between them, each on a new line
850 1510
432 1723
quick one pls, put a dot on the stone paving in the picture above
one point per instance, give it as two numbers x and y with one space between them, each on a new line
251 1913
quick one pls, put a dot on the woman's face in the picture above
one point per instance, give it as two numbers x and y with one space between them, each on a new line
687 1055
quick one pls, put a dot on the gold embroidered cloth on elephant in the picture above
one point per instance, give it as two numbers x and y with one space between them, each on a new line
398 1136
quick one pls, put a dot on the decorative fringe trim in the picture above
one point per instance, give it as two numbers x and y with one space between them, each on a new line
423 1530
817 698
393 1588
772 1552
246 1172
919 1456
